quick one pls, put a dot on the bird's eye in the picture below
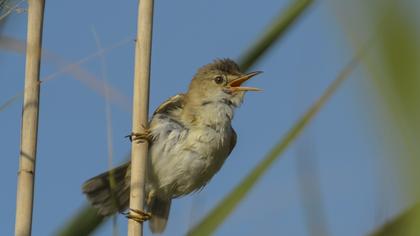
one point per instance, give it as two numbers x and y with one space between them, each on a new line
218 79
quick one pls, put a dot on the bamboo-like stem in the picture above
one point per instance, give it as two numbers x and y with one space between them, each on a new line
140 110
29 127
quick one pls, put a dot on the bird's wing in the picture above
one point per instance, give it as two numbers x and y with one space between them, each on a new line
232 140
165 120
171 104
167 133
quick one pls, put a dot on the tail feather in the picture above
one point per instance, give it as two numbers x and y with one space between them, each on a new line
110 195
109 192
160 212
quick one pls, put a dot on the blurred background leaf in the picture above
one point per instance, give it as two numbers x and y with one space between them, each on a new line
395 76
77 225
405 224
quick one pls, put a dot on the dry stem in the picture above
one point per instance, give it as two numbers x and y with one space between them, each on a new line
140 110
29 127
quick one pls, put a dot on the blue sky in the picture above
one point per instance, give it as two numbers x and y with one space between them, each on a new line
188 34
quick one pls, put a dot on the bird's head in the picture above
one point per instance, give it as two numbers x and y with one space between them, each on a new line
220 81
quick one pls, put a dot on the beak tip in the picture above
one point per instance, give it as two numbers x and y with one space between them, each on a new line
254 73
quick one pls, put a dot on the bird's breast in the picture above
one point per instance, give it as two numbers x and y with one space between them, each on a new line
191 162
204 156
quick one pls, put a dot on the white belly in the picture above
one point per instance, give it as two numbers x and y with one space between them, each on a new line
185 161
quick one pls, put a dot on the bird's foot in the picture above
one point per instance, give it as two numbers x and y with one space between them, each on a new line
140 137
138 215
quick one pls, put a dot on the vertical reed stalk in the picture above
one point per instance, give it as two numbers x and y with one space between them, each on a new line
29 127
140 110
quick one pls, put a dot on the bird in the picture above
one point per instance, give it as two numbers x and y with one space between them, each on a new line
190 137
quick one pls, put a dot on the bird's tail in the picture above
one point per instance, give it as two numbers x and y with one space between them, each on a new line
109 192
160 212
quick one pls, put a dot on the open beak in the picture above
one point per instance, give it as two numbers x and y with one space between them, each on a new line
235 85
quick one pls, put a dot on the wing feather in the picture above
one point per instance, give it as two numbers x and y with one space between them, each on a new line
171 104
232 140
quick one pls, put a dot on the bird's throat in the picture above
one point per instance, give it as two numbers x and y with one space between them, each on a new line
210 113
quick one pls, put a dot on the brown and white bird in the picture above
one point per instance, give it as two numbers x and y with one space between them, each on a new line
190 138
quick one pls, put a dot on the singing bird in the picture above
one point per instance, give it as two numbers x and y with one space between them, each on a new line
190 138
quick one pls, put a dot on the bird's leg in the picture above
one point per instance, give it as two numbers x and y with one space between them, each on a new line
140 137
138 215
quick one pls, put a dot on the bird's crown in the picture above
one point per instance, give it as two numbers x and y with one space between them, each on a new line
225 66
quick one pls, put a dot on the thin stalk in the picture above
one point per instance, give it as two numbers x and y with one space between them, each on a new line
7 7
10 101
308 181
108 119
29 127
140 110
